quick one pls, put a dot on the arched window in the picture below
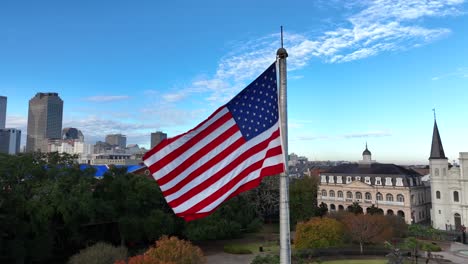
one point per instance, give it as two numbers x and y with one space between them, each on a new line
332 193
324 193
389 197
358 195
368 196
332 207
400 198
379 197
349 195
455 196
437 194
340 194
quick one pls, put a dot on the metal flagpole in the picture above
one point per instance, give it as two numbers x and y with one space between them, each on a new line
285 239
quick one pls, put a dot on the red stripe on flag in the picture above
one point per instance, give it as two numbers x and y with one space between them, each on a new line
205 166
168 141
224 171
268 171
190 143
230 185
198 155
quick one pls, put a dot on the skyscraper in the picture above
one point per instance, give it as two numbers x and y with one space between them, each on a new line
10 139
118 140
3 104
157 137
44 120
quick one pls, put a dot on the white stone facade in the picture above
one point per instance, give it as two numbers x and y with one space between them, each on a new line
449 191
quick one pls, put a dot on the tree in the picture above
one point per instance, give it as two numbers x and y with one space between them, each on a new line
170 250
373 210
367 228
135 203
265 198
355 208
319 233
413 245
322 209
228 221
303 199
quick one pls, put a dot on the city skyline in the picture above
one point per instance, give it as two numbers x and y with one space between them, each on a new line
364 71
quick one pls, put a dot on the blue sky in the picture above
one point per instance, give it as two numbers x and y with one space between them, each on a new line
358 70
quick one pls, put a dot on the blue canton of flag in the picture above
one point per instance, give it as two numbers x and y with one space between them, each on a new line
255 109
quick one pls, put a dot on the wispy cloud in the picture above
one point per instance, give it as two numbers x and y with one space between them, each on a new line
107 98
379 133
368 29
461 72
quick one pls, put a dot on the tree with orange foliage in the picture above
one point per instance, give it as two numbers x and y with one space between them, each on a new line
318 233
367 228
169 250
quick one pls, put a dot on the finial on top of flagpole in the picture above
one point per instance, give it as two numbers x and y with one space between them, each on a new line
282 53
434 110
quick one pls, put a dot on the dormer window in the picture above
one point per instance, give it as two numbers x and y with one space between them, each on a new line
331 179
323 179
367 180
388 181
378 181
357 178
339 179
348 179
399 182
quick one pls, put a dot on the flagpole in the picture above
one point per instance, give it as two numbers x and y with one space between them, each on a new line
285 236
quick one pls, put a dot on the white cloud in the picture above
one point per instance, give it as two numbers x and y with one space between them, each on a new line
374 27
379 133
461 72
107 98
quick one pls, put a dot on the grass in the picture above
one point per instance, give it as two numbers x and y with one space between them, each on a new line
356 261
249 248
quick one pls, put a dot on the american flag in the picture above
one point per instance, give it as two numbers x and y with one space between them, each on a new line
228 153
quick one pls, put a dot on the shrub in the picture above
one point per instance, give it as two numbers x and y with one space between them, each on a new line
169 250
236 249
319 233
99 253
426 246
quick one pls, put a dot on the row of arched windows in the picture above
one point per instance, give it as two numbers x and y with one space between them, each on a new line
367 196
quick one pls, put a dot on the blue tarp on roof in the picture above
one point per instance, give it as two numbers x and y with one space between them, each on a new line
101 169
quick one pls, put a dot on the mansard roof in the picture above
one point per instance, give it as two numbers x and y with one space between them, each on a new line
374 168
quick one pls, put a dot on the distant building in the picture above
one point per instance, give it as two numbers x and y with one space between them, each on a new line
117 140
449 187
3 107
114 159
157 137
392 188
10 140
71 133
44 121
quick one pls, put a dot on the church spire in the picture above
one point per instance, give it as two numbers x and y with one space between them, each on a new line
437 150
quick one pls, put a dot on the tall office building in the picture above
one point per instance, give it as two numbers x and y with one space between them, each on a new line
44 121
3 104
118 140
10 140
157 137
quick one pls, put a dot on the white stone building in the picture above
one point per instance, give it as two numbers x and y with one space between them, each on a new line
449 187
393 189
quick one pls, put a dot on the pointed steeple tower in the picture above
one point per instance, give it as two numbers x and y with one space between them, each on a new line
437 150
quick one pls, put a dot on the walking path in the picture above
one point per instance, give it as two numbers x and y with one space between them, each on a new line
456 252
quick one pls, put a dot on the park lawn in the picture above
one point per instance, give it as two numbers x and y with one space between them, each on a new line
270 246
357 261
